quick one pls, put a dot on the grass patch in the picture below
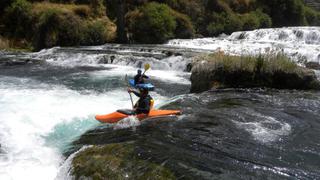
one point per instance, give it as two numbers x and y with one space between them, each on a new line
80 10
267 63
218 70
15 44
4 43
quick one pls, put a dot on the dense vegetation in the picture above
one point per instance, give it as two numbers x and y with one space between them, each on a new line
38 24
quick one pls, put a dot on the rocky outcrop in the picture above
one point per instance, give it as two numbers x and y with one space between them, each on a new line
313 3
207 74
13 61
313 65
116 161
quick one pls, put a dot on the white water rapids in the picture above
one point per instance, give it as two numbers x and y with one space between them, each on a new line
302 44
38 120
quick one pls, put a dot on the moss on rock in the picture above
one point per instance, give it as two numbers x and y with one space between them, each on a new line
116 161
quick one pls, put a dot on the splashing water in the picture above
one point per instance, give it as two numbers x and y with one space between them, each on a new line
299 43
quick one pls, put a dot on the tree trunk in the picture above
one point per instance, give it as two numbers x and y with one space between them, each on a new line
121 32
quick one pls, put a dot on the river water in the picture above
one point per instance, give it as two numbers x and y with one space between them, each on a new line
47 111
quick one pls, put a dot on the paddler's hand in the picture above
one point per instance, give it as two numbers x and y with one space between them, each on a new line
130 90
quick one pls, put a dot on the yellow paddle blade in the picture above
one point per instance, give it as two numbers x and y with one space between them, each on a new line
146 67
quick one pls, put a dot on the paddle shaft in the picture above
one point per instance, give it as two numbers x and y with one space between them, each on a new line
126 79
146 68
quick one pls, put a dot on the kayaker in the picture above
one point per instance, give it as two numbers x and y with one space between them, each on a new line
139 78
145 102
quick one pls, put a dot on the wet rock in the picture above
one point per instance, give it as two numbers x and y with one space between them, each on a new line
313 65
106 59
116 161
189 67
18 61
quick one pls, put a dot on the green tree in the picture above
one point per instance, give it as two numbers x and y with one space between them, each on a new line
250 21
18 19
58 28
312 17
98 8
3 5
284 12
153 23
224 23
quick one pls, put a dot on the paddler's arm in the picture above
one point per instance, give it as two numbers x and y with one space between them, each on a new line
134 92
145 76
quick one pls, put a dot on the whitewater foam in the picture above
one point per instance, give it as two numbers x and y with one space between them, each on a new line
265 129
65 169
299 43
81 58
34 115
161 75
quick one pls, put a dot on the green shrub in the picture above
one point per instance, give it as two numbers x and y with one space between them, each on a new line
250 21
284 12
97 8
215 29
3 5
264 19
58 28
224 23
232 23
46 32
312 17
98 32
241 6
194 9
184 28
94 34
82 11
69 30
218 6
153 23
18 19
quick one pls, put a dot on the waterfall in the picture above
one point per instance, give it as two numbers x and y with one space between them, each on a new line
302 44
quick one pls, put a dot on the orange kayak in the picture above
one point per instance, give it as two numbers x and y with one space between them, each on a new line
120 114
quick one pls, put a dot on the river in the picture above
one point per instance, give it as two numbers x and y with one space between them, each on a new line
47 110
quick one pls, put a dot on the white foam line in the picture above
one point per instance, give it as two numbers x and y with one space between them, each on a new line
166 76
262 133
299 43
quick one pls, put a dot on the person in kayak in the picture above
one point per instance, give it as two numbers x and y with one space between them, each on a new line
145 102
139 78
